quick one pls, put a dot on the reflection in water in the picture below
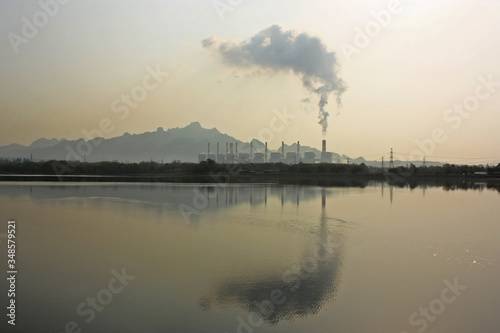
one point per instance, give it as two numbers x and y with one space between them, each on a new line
391 191
255 260
265 196
301 290
217 195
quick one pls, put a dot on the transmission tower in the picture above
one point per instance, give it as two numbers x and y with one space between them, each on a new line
391 162
382 162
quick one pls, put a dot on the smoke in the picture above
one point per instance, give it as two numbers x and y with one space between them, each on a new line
274 50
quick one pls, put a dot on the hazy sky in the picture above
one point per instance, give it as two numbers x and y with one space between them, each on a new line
404 78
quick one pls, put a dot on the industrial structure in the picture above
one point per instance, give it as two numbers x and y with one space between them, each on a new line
256 155
326 157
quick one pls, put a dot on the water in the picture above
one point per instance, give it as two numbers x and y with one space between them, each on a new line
252 258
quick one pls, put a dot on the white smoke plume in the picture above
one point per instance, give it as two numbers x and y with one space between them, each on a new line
275 50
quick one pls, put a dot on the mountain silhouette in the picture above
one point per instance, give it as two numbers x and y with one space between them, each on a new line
182 144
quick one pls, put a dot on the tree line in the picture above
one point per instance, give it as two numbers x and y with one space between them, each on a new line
53 167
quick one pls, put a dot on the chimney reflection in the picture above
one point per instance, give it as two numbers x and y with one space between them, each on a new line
265 196
304 288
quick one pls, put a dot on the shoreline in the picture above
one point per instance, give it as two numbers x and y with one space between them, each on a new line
278 178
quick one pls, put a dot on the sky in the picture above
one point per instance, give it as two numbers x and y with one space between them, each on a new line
421 76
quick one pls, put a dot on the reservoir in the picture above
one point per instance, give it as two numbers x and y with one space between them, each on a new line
158 257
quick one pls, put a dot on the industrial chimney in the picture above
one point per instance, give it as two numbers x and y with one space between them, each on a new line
325 157
236 151
208 152
282 149
265 156
298 151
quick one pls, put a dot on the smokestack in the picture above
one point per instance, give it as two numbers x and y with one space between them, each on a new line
324 147
236 151
251 150
298 150
227 148
208 152
231 148
265 156
282 149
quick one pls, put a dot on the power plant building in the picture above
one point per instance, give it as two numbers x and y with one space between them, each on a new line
221 158
291 158
275 158
260 154
243 158
258 158
309 157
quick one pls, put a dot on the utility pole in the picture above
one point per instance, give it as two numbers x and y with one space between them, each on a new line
391 162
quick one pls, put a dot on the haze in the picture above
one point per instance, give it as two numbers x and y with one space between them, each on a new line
402 83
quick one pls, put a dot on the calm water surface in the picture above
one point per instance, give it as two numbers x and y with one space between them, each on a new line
252 258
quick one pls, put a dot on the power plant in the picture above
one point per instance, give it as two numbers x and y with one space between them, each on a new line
261 155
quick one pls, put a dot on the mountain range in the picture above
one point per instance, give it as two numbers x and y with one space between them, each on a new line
183 144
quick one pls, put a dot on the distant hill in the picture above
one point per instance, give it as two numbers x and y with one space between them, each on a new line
182 144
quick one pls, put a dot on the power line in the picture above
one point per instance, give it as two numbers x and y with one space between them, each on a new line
375 155
458 160
450 157
485 158
494 159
